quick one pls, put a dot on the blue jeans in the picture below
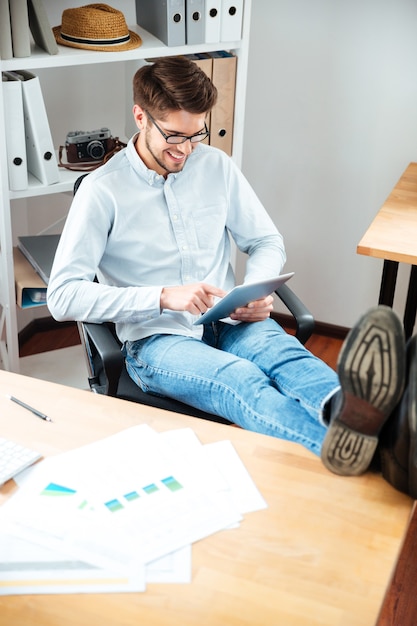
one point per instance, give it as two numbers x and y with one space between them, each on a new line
254 374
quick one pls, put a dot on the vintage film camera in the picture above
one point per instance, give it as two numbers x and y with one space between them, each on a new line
82 146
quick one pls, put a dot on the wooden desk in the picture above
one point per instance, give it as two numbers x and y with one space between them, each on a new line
399 607
392 236
321 554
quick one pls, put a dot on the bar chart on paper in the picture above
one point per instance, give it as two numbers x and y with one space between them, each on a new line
117 504
114 504
121 500
100 513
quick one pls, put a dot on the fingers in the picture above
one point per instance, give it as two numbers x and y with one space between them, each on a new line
195 298
255 311
203 298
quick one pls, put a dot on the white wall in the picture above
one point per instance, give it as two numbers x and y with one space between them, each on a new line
331 123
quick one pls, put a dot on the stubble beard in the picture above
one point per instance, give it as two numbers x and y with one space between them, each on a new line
159 161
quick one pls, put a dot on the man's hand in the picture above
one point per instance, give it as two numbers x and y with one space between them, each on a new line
195 298
255 311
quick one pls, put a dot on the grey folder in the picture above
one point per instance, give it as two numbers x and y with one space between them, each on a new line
40 252
163 18
195 21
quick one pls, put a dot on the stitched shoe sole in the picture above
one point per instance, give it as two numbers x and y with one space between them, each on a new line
371 368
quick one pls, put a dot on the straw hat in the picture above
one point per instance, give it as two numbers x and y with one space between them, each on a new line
96 27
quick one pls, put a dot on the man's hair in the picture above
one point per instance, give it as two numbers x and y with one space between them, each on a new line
173 84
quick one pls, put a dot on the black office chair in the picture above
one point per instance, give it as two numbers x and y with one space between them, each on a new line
107 373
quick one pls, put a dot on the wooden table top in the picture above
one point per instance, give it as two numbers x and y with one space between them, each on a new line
392 235
322 553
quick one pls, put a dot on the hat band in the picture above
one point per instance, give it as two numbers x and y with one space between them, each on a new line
96 42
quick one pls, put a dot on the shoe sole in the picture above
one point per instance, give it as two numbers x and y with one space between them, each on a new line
371 369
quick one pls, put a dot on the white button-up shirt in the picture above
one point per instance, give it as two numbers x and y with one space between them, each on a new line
139 232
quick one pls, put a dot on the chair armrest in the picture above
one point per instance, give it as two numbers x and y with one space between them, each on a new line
99 339
303 318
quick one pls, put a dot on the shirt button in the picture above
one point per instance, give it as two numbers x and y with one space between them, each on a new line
175 217
185 247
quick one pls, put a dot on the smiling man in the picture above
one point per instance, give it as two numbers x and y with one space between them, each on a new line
154 225
172 159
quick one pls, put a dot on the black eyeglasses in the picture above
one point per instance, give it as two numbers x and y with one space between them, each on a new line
181 138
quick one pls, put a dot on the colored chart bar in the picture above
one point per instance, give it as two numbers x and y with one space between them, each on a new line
57 490
172 483
150 488
133 495
114 505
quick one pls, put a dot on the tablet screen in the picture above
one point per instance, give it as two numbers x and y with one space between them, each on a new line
241 296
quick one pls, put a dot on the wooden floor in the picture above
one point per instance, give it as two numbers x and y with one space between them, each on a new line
400 605
54 338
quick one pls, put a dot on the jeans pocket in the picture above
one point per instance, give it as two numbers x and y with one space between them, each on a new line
135 366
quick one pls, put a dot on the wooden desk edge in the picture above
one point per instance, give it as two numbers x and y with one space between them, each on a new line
385 255
371 243
399 605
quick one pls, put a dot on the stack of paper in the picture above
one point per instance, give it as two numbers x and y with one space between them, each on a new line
113 515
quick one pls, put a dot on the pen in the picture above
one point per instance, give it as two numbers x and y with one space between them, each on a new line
30 408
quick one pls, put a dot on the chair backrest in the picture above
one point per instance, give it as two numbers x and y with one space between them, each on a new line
78 183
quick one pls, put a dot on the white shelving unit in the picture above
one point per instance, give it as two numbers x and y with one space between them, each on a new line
70 57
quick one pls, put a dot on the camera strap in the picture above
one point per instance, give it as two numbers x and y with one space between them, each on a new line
90 165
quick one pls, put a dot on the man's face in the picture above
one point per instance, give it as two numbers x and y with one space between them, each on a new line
159 155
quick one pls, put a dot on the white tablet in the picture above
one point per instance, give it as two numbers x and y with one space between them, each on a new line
241 296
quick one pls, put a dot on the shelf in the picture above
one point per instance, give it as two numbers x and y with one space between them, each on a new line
68 57
36 188
151 47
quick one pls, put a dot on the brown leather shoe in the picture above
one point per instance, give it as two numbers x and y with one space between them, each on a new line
371 368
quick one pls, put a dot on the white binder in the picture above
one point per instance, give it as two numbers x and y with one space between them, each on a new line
212 21
231 20
6 50
195 21
163 18
40 27
15 132
19 19
41 157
